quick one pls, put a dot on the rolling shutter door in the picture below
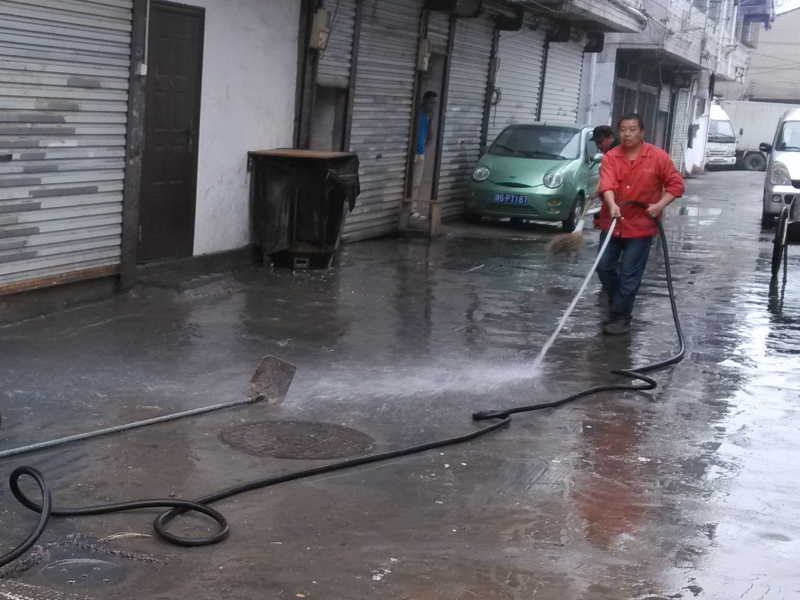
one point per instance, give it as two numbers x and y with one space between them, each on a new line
680 131
64 69
381 130
335 63
562 83
469 74
439 31
519 79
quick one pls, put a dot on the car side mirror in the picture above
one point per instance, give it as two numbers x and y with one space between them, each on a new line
597 158
764 147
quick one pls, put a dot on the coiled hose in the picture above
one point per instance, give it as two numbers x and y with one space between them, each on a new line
497 418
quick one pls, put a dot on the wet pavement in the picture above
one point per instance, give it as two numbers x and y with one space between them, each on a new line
690 491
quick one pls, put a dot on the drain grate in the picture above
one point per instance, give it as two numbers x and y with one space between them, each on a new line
297 439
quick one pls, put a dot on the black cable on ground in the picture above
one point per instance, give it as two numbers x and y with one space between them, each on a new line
500 418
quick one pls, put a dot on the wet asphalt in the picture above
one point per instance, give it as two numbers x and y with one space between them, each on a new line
690 491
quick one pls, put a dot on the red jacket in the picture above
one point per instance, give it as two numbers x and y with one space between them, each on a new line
644 180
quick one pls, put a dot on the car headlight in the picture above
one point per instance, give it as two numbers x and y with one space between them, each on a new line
779 174
553 179
481 174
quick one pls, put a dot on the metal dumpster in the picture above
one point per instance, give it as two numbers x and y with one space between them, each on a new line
299 202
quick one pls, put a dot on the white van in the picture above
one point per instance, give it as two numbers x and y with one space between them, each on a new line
721 146
782 183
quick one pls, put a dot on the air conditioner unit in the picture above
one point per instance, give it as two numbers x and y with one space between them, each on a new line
595 43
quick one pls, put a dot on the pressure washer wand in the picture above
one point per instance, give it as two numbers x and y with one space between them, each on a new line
568 313
270 382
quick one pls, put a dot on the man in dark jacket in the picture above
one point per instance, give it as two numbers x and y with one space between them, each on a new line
604 138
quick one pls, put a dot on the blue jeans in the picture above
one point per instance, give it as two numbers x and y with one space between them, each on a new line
621 269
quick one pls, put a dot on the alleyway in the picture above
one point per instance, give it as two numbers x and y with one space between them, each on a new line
689 492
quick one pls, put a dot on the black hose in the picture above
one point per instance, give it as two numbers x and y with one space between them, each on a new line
637 374
501 418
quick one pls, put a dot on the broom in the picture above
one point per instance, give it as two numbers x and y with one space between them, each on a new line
566 243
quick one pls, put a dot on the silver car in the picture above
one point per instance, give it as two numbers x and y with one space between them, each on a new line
782 182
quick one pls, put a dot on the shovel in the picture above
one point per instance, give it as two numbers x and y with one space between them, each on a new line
270 383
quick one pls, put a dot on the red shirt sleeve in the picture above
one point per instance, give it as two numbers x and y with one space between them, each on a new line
671 178
608 177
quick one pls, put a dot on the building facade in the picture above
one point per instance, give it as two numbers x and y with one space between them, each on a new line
490 63
668 72
124 127
125 124
772 72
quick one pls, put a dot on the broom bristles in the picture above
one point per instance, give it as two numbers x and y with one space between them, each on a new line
566 243
569 242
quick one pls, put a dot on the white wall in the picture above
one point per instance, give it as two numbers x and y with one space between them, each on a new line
249 71
598 104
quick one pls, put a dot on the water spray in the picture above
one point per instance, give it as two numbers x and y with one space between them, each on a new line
496 418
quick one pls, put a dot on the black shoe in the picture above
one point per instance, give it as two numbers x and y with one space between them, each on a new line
617 327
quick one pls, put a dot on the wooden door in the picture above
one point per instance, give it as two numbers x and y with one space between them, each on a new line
172 120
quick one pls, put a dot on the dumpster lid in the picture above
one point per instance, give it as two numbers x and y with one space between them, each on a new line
297 153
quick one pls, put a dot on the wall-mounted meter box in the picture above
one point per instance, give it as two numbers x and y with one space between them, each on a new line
424 55
320 29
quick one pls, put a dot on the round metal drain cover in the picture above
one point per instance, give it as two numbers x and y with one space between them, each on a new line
85 571
297 439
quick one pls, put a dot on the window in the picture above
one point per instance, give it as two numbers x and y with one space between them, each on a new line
750 34
538 141
721 131
789 137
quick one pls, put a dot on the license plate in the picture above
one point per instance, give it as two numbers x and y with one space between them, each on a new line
511 199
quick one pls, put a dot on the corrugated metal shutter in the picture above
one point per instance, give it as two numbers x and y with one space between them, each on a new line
664 98
64 70
680 131
519 78
336 61
439 31
469 73
387 59
562 84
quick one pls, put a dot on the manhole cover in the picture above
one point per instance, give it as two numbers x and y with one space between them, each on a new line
86 571
297 439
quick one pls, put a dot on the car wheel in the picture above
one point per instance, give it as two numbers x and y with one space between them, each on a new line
574 216
779 244
755 162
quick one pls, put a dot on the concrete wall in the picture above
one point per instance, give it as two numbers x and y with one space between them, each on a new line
249 70
600 106
773 67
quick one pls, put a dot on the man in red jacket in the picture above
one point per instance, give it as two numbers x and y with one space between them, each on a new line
637 182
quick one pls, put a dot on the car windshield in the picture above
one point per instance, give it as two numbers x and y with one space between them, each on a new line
721 131
538 141
789 138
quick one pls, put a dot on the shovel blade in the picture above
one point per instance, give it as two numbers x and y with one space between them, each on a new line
272 380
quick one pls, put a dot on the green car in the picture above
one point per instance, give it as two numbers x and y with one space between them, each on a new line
542 171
